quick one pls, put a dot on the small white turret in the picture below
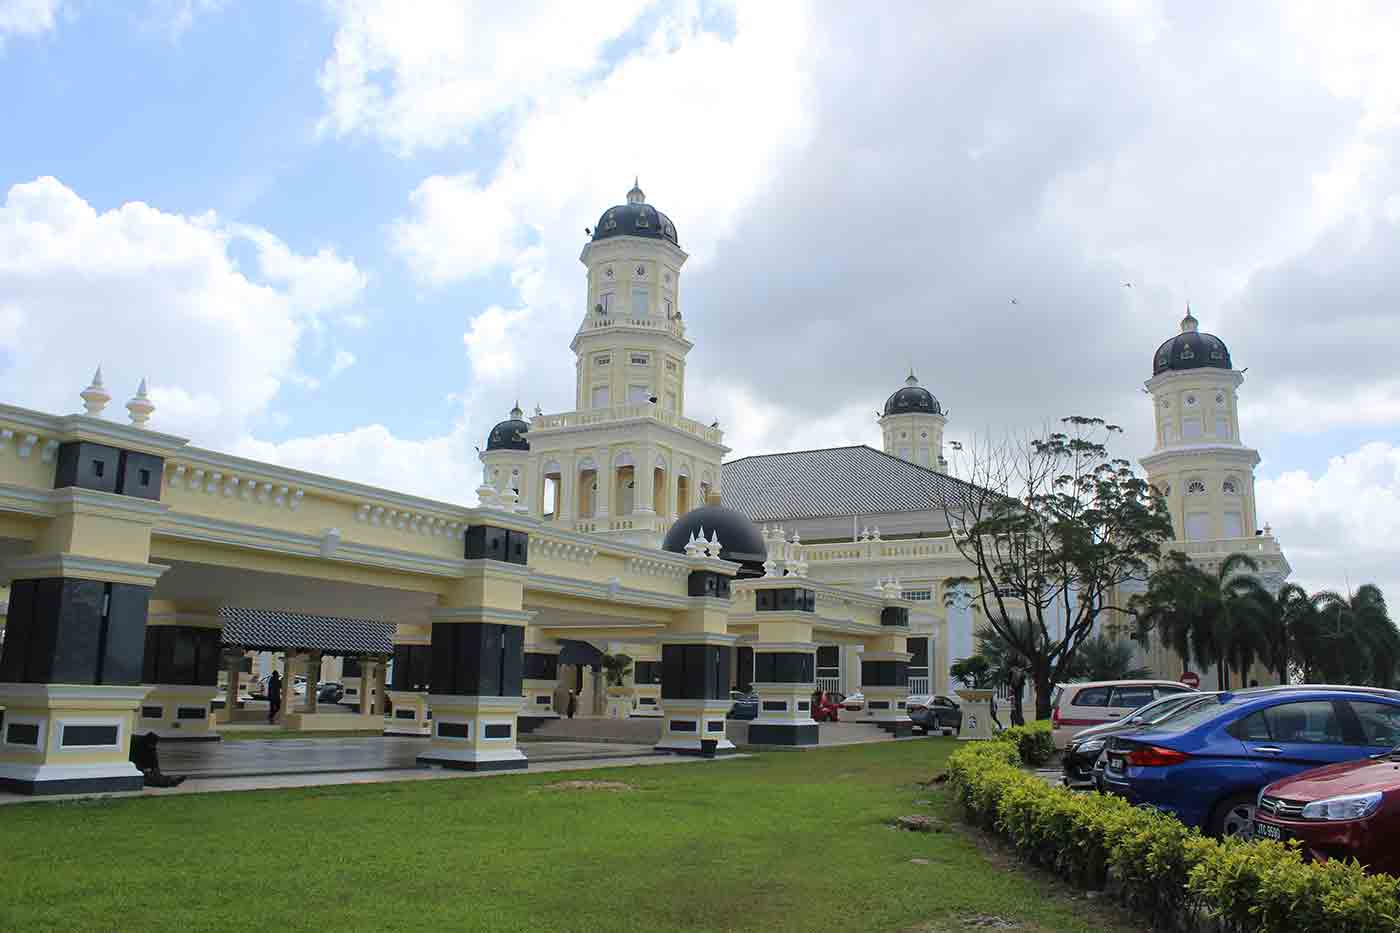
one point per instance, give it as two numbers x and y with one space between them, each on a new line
95 397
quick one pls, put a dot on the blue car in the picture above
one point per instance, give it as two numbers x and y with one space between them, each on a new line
1207 764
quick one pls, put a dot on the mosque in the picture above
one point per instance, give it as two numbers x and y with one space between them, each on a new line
145 572
627 463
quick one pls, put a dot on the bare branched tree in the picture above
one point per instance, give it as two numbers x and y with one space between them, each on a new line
1053 526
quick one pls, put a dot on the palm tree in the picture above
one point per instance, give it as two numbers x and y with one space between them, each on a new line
1007 664
1288 622
1104 657
1214 617
1362 641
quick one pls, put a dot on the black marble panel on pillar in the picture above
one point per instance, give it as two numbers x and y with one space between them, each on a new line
477 658
918 647
645 673
707 583
541 666
139 475
487 542
413 667
884 673
790 599
87 466
694 672
75 632
743 657
181 654
784 667
894 615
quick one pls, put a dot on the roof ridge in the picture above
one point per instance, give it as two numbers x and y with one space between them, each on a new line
788 453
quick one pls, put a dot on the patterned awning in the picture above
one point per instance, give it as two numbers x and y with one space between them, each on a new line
271 630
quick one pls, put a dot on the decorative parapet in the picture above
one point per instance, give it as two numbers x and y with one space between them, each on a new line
625 413
674 326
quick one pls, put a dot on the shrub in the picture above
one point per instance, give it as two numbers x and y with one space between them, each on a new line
1165 871
1034 742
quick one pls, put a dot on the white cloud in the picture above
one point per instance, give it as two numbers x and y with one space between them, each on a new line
429 74
152 294
344 359
27 17
1343 527
175 17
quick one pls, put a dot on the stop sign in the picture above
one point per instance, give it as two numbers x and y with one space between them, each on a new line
1191 679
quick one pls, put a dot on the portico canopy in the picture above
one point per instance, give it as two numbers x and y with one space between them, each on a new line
266 630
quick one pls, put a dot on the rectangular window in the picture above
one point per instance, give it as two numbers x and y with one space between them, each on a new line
640 359
636 395
606 300
670 307
1190 428
923 456
1222 428
917 595
904 453
604 360
641 301
600 397
1234 525
1197 526
671 401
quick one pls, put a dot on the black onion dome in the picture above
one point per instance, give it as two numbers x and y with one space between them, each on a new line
1191 349
510 434
912 399
739 540
635 218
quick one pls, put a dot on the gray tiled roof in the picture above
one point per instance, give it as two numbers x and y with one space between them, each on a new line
857 480
267 630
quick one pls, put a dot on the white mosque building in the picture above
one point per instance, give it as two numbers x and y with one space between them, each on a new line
627 463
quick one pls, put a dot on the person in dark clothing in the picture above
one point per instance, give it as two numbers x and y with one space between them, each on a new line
573 703
147 761
274 696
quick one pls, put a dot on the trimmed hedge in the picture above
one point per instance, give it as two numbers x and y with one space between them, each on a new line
1033 741
1170 874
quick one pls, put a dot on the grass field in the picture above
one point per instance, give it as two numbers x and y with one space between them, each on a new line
793 842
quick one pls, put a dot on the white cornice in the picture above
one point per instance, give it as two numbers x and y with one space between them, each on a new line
588 589
481 614
1202 374
73 498
1235 452
40 566
539 434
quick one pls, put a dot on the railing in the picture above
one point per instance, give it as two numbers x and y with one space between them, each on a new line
1259 544
592 416
913 548
918 686
829 684
673 326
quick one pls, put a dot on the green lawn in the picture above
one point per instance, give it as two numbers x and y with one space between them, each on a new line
776 842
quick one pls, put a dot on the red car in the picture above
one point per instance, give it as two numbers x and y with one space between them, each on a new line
1347 810
825 707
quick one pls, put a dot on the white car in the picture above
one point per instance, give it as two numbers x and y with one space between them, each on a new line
854 702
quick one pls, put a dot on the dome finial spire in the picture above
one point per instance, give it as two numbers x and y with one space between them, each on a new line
913 380
1189 323
515 412
636 196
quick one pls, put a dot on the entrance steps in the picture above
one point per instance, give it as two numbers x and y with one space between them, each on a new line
648 731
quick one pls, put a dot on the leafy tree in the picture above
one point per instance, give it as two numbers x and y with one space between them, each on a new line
1104 657
1290 626
1053 525
1361 643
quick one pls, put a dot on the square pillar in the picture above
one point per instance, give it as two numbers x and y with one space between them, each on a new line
181 667
646 684
785 678
478 643
694 691
233 662
409 691
71 679
539 678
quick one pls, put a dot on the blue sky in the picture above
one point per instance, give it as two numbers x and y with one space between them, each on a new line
343 235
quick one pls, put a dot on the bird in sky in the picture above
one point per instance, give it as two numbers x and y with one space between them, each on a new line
1127 284
1014 301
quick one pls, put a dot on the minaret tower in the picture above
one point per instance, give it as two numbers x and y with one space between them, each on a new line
631 346
912 422
506 460
1198 462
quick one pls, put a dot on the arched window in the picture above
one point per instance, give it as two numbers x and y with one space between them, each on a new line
1196 487
1230 487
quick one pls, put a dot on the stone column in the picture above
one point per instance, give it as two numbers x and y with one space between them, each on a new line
289 696
366 686
884 672
540 675
567 506
234 664
695 658
478 653
313 679
72 664
413 658
644 494
785 659
607 476
646 682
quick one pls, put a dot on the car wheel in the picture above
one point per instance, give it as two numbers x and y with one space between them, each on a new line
1233 817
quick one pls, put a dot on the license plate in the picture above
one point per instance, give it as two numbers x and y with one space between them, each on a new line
1269 831
1115 765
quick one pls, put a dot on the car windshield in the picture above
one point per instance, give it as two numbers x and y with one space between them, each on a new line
1193 714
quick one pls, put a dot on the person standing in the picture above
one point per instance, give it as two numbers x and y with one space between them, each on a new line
274 696
561 699
573 704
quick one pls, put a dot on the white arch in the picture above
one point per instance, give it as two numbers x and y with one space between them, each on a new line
587 464
623 459
551 467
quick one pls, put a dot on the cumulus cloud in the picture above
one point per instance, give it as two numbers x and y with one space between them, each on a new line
27 17
1341 528
344 359
153 294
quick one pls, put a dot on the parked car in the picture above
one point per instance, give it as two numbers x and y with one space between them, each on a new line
854 702
935 714
1074 707
745 705
1349 810
1207 765
1084 756
330 692
825 707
